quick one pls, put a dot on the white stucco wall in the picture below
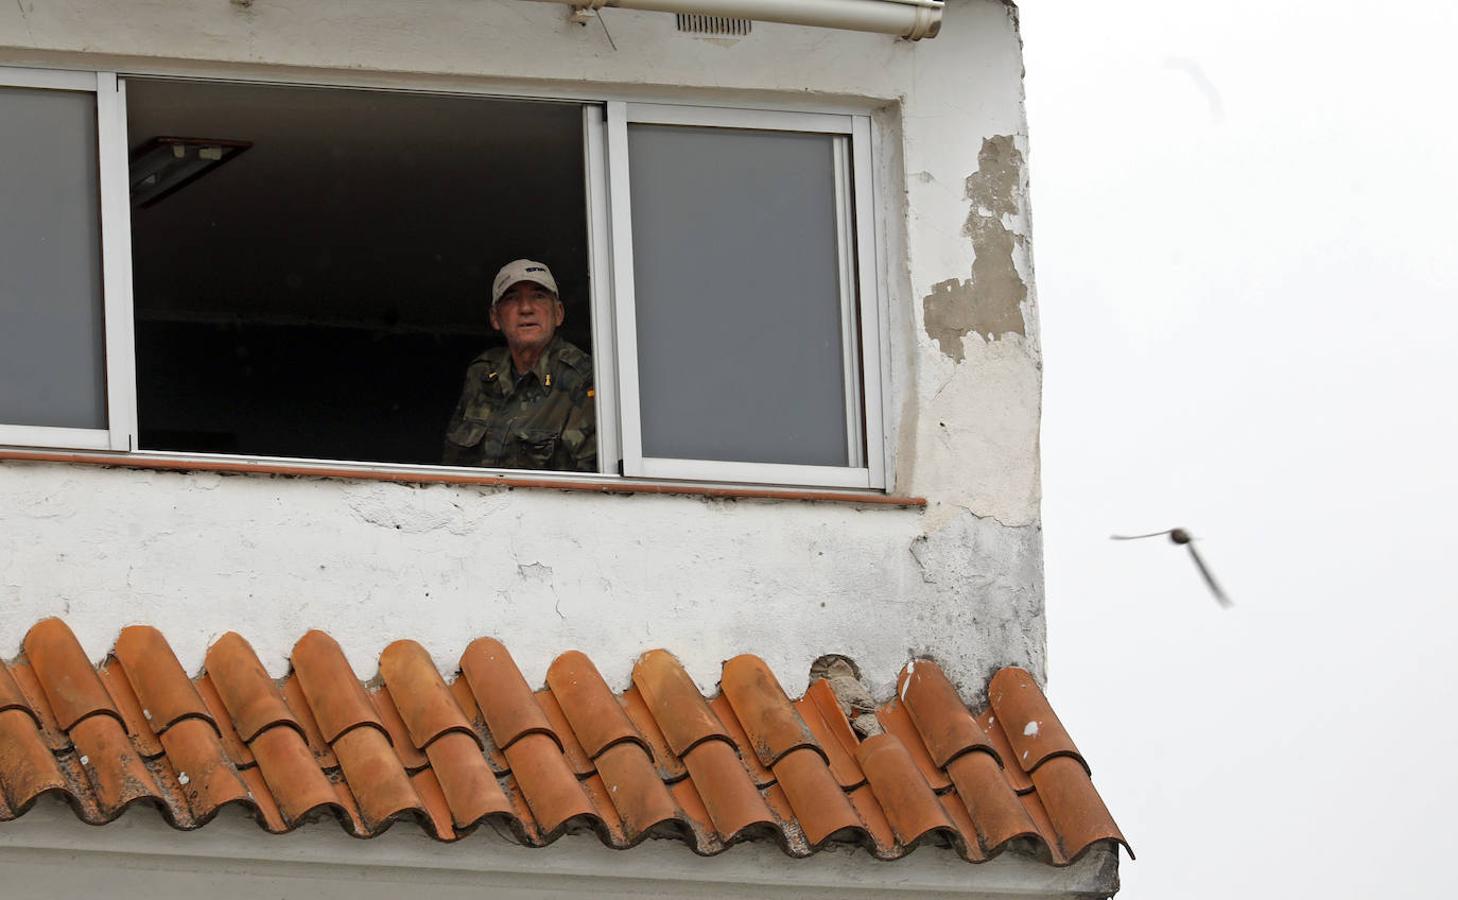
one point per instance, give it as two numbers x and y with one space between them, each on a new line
612 575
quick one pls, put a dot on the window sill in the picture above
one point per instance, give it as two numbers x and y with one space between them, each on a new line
405 475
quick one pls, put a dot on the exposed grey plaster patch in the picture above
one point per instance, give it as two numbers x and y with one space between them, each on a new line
988 577
990 302
1107 878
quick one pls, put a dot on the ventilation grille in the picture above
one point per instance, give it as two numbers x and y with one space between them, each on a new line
713 25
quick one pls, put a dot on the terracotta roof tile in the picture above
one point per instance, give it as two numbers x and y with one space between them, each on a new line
338 700
11 697
65 674
1028 721
233 745
990 800
293 777
821 712
908 801
560 729
27 766
896 720
130 708
1075 810
877 826
606 821
945 724
507 704
634 789
112 764
207 778
253 702
1033 806
656 759
760 704
50 732
375 777
670 766
819 804
430 708
269 814
672 698
731 801
761 775
350 817
166 693
998 739
593 713
967 843
705 840
549 786
298 704
461 691
428 789
470 789
404 745
784 815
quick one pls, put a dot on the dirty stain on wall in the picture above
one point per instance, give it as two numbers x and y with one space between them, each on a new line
990 302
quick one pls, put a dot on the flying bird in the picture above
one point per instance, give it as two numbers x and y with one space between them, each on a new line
1181 536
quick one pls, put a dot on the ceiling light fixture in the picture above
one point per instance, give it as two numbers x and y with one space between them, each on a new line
164 165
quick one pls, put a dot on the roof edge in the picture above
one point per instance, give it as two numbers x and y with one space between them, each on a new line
51 828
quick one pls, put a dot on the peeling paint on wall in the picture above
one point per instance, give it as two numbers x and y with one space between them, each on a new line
990 302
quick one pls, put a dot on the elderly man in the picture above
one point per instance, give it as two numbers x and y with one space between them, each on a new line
528 405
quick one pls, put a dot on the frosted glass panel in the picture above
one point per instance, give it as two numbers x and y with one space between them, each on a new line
51 357
736 271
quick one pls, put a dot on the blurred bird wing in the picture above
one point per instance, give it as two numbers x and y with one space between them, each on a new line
1135 537
1220 596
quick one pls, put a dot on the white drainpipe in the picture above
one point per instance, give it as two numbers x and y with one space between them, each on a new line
911 19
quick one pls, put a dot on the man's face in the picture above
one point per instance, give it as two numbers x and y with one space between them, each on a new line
527 315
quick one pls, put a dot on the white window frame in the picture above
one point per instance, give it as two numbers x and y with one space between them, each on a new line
116 265
860 297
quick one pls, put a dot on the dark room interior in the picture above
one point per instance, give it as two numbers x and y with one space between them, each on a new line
320 294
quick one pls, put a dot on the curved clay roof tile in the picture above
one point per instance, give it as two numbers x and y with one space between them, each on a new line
162 687
429 709
506 702
65 674
760 704
252 699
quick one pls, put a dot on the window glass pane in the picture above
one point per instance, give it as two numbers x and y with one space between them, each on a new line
52 365
737 289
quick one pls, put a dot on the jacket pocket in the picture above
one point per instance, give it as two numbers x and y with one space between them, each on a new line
467 434
534 449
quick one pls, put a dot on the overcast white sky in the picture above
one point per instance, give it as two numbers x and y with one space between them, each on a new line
1245 220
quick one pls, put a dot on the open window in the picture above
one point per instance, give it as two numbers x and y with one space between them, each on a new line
317 287
301 272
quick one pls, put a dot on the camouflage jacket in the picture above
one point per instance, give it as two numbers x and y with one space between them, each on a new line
543 419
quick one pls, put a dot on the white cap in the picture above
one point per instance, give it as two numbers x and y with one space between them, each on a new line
522 270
